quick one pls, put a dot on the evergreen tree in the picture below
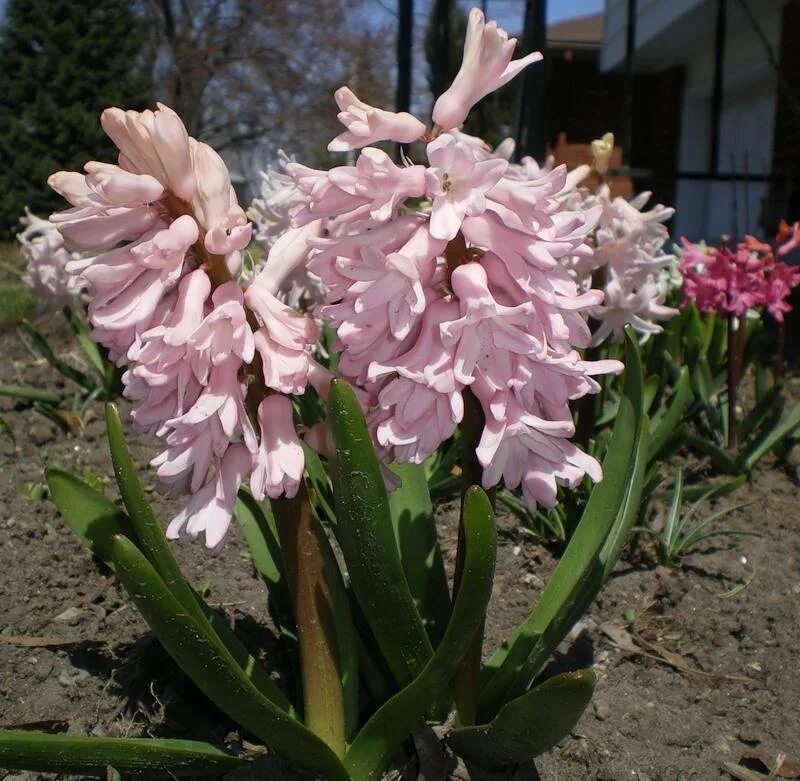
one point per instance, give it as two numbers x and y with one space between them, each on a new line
61 63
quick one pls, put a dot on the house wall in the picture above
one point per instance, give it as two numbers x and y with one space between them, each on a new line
709 209
680 33
652 18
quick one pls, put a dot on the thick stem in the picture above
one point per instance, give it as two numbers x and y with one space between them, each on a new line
733 380
323 700
466 688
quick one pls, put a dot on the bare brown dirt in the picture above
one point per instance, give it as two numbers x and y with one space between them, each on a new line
697 666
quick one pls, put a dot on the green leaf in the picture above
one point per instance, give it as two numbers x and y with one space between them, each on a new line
82 334
661 429
93 517
41 752
589 557
149 533
420 554
704 492
529 725
225 684
366 537
389 726
44 349
766 412
546 523
674 524
651 388
30 395
5 428
258 527
152 542
721 459
770 438
320 485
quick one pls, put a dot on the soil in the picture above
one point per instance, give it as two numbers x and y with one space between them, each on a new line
697 665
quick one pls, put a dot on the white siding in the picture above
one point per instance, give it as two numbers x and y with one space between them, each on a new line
706 209
681 32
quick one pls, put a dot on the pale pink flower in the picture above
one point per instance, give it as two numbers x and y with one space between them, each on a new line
486 332
154 143
279 462
162 380
166 233
457 183
46 258
283 341
374 187
628 303
215 207
535 454
366 124
486 66
209 510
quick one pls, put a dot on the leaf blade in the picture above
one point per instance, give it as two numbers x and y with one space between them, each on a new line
46 753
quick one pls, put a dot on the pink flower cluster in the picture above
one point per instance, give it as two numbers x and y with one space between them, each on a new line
46 260
734 282
634 271
451 276
440 279
208 364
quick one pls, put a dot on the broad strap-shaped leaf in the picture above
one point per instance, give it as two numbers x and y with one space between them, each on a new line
40 752
224 683
529 725
651 388
769 438
418 542
366 537
664 426
389 726
589 557
766 412
90 514
320 485
721 459
149 533
259 530
152 542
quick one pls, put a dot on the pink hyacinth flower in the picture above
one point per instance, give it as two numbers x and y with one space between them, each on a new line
366 124
486 331
788 238
154 143
278 464
210 509
284 339
457 183
215 206
486 66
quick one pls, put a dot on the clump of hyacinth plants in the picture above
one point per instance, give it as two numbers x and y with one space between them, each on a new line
447 283
735 289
